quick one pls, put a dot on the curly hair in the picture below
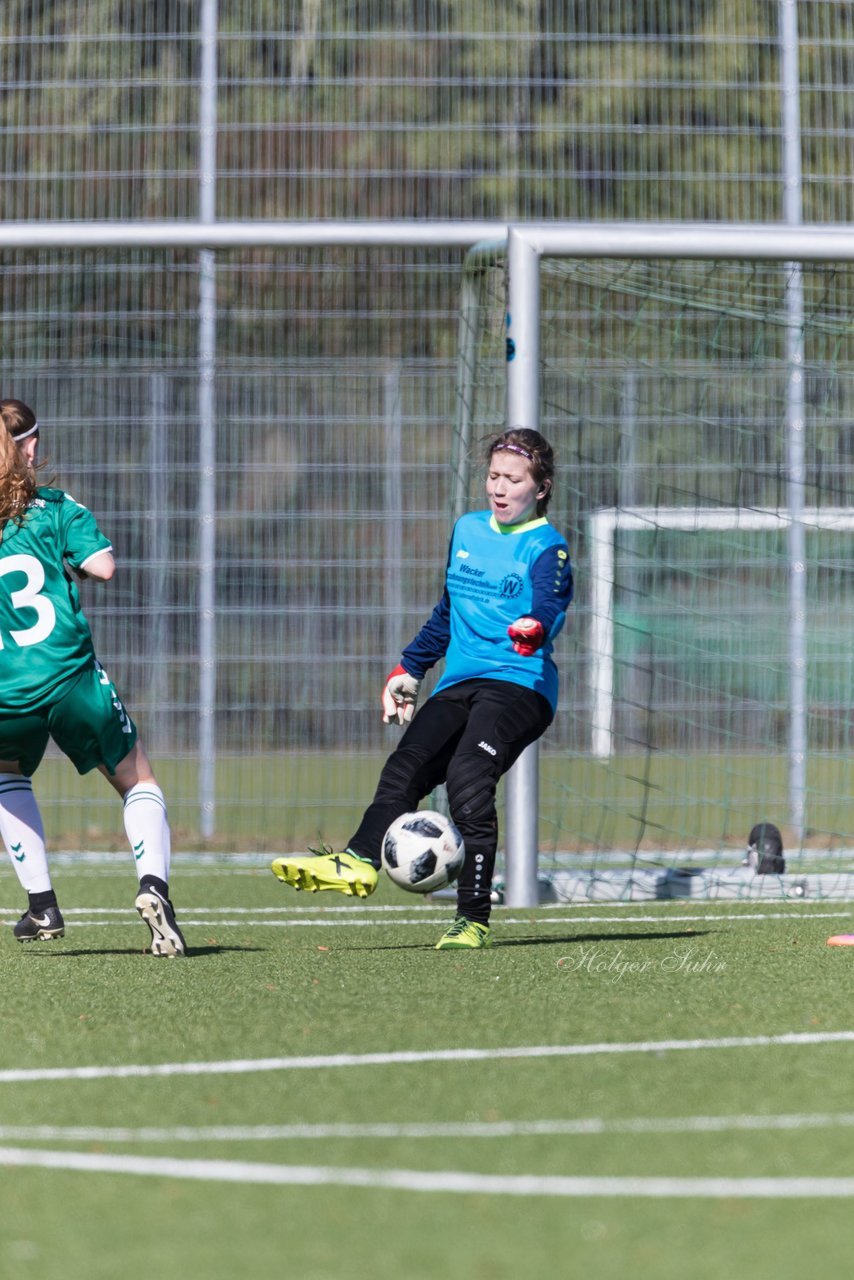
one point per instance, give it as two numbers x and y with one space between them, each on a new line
17 478
531 445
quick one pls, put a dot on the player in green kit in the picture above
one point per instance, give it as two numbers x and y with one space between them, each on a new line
52 686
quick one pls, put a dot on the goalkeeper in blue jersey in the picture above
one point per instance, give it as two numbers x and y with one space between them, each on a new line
52 686
508 583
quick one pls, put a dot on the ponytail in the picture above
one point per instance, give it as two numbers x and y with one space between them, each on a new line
17 477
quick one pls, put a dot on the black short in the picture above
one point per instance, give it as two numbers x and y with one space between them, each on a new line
494 719
468 736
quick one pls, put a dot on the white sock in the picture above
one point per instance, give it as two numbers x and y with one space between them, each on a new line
147 830
23 832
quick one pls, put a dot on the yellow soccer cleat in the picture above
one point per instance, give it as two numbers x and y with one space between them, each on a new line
465 935
344 872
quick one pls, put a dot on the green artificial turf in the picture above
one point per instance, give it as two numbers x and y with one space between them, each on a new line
276 975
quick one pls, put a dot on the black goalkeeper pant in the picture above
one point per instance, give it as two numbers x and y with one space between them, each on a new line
466 736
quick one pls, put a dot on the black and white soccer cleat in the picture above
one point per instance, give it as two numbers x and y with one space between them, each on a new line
40 926
158 914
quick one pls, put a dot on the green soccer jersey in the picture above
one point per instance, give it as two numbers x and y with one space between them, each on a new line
45 642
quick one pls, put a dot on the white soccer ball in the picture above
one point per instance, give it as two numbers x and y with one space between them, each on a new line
423 851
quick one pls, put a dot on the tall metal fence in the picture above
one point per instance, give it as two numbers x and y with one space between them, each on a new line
532 109
320 465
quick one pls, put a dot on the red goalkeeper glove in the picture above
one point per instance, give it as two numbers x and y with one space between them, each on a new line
528 635
399 696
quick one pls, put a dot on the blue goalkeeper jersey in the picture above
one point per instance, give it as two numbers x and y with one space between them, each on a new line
494 576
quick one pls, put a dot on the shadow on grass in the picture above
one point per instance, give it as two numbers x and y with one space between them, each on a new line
552 940
667 935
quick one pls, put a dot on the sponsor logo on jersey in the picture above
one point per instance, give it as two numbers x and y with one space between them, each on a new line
510 586
486 747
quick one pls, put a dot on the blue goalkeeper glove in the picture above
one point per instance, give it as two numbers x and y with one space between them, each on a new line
399 696
528 635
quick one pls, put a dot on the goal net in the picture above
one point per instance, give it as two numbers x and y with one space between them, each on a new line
707 674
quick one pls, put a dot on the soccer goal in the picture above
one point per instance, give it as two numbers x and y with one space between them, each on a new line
698 384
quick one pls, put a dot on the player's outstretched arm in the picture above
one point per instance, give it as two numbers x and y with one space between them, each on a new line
101 566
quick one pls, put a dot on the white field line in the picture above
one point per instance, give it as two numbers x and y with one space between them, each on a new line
201 922
449 1181
590 1127
255 859
796 908
257 911
208 920
316 1062
118 865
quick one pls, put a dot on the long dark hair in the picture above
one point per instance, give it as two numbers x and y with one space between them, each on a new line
541 459
17 477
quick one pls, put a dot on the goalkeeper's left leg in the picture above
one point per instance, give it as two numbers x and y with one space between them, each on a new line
410 772
345 872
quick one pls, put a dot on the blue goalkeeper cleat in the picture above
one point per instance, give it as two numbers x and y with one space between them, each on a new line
345 872
465 935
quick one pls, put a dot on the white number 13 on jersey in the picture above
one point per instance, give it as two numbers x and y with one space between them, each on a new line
27 597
